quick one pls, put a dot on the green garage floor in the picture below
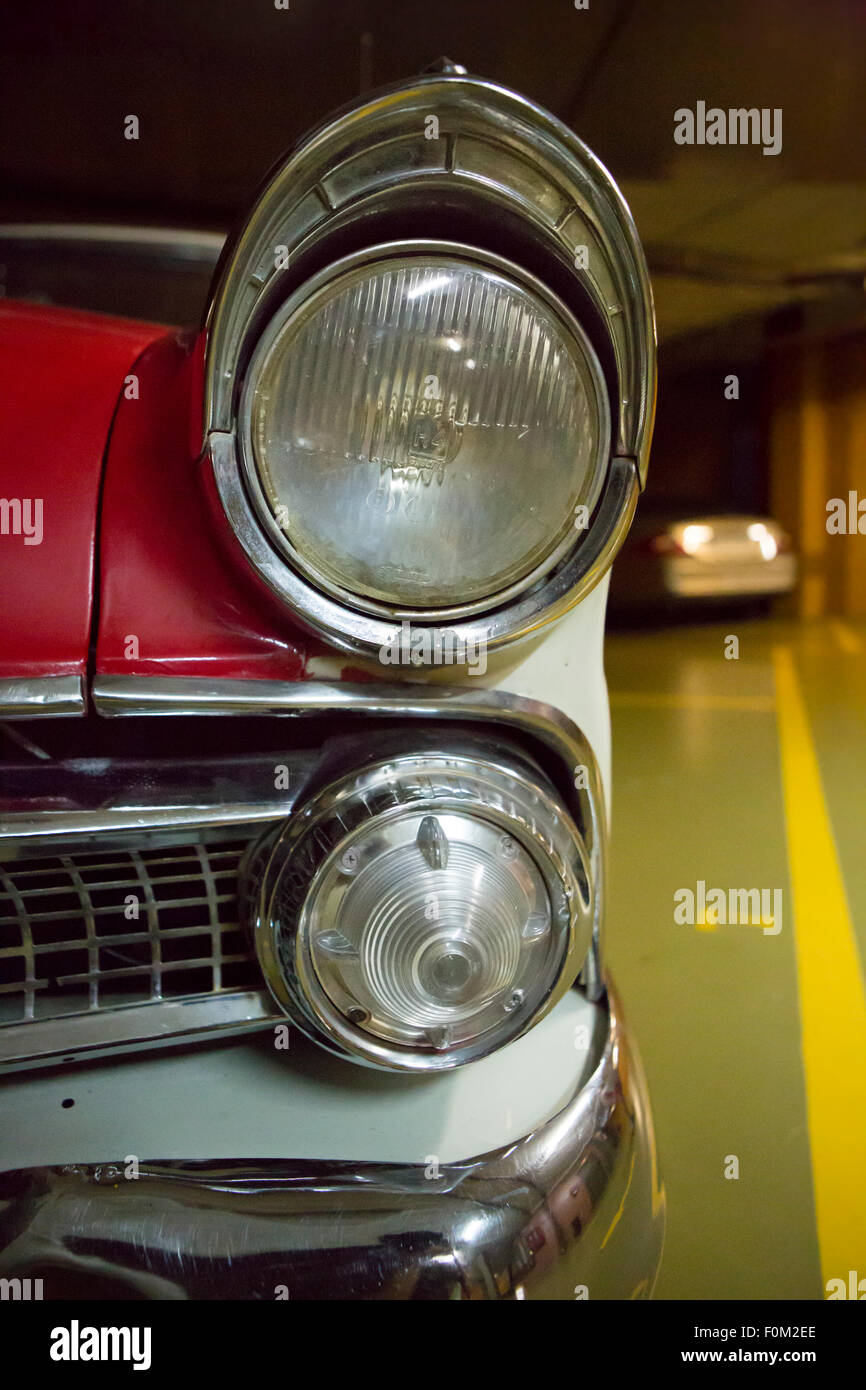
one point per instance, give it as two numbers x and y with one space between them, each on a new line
754 1043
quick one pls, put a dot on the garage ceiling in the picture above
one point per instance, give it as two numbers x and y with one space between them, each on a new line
221 89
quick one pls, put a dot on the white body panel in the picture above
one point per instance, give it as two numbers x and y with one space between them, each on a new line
562 667
565 668
246 1099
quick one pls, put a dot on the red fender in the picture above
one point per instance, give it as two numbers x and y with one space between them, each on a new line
178 597
61 374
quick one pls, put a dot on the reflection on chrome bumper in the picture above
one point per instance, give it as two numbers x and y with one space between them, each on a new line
572 1210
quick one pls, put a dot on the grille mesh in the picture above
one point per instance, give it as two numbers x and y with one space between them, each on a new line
100 929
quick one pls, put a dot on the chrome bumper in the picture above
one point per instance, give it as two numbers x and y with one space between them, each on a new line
573 1210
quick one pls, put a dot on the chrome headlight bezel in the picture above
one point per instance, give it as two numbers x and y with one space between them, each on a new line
499 155
523 806
303 301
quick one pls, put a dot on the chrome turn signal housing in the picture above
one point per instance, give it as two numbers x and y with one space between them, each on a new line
424 911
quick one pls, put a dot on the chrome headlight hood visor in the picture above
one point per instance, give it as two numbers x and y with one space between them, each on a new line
468 166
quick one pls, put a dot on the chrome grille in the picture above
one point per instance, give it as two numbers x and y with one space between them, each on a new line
96 930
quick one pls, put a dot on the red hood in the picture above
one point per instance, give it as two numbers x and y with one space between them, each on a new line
61 374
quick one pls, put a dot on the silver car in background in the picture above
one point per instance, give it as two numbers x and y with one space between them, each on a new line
701 559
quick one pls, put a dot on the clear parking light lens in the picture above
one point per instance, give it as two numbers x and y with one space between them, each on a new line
439 926
425 912
424 432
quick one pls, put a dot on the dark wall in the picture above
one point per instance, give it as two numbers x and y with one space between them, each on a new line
708 452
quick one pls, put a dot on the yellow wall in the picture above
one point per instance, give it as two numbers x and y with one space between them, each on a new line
817 451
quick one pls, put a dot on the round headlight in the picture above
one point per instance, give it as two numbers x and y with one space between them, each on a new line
423 433
423 912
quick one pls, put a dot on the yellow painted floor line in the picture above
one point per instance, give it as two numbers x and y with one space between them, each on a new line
672 699
832 999
846 637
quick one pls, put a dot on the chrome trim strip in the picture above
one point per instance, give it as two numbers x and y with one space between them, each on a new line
171 242
575 1202
42 697
126 696
31 829
107 1032
110 801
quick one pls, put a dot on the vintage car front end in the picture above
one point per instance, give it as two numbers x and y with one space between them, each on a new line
306 774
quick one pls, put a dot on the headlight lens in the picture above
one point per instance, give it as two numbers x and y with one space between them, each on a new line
423 431
421 913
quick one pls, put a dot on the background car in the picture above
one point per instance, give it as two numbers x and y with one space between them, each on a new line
694 563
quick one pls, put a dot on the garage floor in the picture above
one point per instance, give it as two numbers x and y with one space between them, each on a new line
747 773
